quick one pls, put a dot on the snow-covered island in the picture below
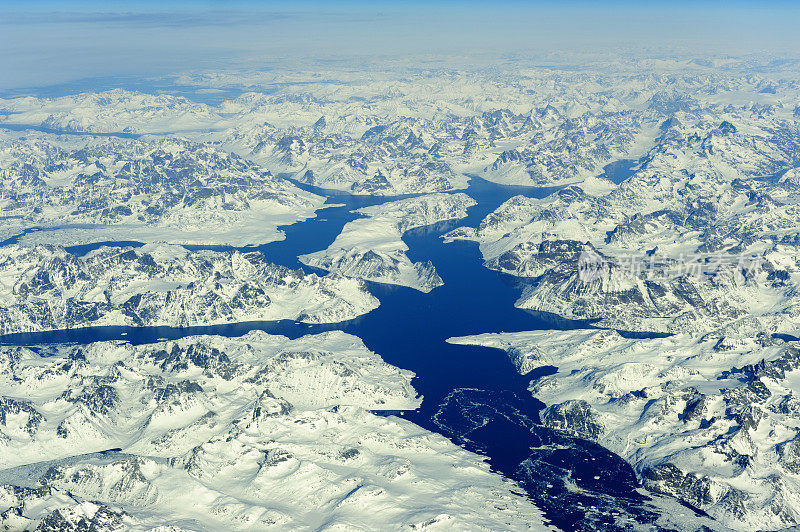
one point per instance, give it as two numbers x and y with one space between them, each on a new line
371 248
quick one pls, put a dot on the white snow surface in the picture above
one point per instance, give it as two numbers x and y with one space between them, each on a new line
704 233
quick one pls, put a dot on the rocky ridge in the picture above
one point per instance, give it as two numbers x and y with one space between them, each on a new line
45 288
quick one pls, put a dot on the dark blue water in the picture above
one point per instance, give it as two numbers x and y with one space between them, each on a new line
620 170
471 394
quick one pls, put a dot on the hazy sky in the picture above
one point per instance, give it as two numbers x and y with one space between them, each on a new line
52 42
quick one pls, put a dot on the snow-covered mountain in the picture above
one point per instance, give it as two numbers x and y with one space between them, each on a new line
160 191
45 288
401 130
259 432
697 237
700 241
117 110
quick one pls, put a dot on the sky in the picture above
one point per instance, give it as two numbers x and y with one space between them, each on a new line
49 42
